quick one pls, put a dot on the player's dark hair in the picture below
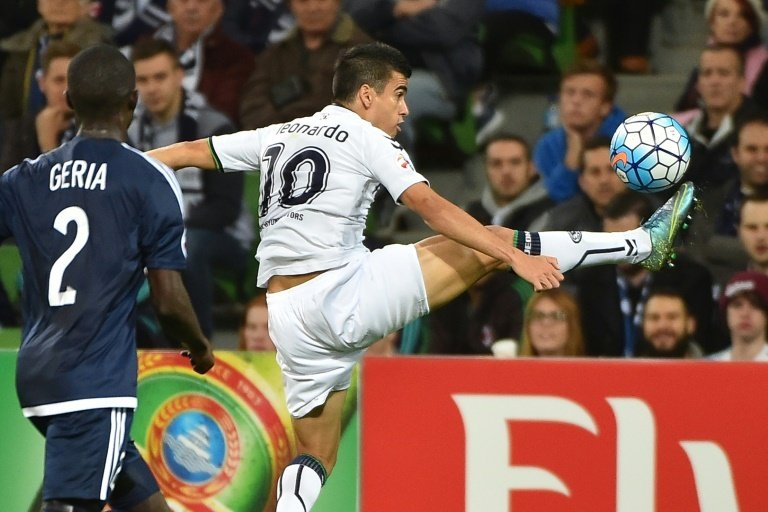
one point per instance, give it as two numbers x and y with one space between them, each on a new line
151 47
371 64
627 203
592 67
100 82
507 137
58 50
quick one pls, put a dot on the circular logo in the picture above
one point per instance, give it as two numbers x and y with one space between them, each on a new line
193 446
575 236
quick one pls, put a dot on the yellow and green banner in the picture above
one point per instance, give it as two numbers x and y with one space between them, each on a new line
216 443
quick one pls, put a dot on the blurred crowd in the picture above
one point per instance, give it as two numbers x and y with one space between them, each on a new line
208 67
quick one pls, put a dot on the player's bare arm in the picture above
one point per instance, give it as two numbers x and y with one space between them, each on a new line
448 219
196 153
177 318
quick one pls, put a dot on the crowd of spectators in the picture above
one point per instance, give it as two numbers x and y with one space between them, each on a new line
207 67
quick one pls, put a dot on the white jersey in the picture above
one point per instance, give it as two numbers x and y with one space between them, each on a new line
318 180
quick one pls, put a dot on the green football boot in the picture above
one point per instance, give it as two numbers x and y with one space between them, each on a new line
665 224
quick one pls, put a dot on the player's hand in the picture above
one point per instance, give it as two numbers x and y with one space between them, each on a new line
543 272
201 361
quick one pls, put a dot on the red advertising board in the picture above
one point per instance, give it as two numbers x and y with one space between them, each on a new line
485 435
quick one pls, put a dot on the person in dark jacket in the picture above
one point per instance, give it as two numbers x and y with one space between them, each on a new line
219 228
293 78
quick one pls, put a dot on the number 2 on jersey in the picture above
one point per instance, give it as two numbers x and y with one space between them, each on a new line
75 214
315 182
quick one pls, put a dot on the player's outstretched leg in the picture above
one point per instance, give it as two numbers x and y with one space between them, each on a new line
449 268
651 245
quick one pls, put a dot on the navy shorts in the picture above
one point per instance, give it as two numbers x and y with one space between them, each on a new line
90 456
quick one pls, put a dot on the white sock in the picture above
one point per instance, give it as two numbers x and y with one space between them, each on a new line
586 249
298 487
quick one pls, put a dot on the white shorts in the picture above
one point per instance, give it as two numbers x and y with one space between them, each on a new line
321 328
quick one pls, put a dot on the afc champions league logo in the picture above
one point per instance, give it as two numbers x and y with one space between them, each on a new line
195 442
214 442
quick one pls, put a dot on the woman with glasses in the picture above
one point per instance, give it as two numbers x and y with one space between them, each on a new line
552 326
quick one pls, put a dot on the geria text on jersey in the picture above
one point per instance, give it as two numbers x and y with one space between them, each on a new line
78 174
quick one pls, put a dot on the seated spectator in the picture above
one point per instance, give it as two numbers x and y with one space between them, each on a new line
490 310
753 231
598 185
131 20
258 24
214 64
552 326
219 230
617 294
736 23
716 236
20 95
253 334
55 123
293 78
440 40
514 195
713 127
587 110
750 154
745 305
668 326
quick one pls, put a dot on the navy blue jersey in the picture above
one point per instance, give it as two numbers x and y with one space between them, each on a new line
87 217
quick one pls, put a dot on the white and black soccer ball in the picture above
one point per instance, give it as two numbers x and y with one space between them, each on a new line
650 152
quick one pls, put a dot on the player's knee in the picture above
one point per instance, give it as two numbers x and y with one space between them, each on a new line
68 505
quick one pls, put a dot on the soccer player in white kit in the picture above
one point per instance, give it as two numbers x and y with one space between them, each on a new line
329 297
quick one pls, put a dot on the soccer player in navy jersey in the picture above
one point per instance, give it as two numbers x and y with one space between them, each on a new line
88 218
330 298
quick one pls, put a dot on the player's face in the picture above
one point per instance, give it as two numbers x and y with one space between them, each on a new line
728 24
666 324
256 330
53 82
61 12
548 328
509 169
753 231
720 80
746 321
583 102
158 80
751 154
315 16
193 17
598 179
388 108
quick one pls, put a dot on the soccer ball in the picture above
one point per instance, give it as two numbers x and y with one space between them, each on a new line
650 152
